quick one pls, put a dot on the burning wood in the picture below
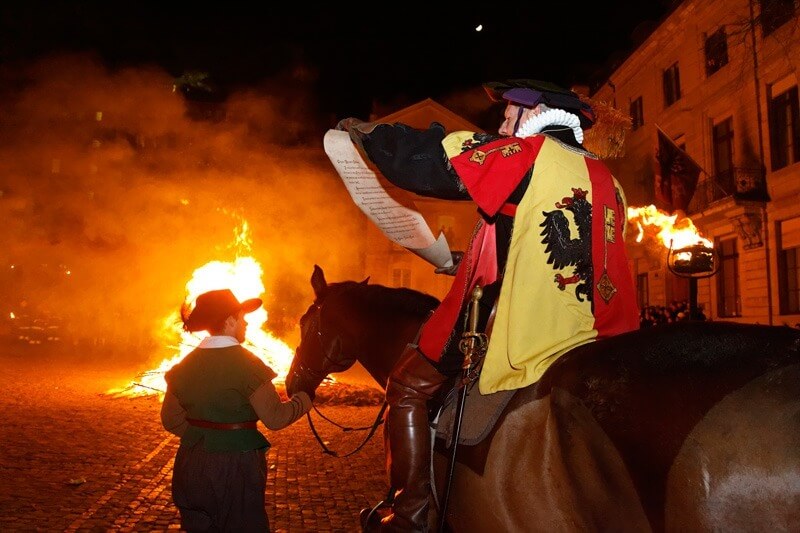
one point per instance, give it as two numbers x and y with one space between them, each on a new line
243 277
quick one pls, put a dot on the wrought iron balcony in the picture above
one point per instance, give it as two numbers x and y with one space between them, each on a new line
735 184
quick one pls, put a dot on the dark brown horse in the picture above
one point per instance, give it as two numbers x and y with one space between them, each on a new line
692 426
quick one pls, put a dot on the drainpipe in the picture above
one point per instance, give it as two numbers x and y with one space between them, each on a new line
757 85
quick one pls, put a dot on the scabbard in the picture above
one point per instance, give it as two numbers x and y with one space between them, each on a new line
472 342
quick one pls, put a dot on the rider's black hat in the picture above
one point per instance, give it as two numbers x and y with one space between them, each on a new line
530 93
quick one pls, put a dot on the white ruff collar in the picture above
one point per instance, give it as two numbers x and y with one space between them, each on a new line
551 117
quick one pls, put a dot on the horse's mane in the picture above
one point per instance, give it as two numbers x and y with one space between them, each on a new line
399 299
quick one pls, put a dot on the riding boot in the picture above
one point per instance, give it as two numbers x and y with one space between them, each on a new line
407 435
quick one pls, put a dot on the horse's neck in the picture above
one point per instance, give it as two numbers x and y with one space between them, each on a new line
378 323
379 360
384 344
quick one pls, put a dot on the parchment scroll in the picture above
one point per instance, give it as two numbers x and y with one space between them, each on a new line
400 224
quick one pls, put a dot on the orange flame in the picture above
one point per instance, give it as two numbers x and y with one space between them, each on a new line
243 278
671 231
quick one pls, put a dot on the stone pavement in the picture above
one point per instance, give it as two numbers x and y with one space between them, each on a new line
75 458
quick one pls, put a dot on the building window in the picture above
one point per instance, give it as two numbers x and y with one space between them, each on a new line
642 290
728 298
672 85
775 13
789 266
784 129
722 143
637 114
716 51
401 277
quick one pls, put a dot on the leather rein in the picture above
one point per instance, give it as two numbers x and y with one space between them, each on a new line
378 421
330 363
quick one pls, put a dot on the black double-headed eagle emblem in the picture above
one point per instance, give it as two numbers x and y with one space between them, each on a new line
565 251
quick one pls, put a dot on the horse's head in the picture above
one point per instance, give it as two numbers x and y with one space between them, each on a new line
322 344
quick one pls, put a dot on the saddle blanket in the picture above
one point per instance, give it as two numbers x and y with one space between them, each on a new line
481 412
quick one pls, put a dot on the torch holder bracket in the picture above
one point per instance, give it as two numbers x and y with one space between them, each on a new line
703 261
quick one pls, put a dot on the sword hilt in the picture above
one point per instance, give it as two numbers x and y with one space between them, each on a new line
472 341
474 311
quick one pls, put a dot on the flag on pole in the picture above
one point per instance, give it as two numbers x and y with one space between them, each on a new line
677 174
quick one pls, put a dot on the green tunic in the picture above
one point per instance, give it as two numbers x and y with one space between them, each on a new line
215 384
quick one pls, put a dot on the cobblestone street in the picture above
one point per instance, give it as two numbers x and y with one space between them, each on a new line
75 458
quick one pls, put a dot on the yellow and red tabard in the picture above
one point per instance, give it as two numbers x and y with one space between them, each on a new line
567 280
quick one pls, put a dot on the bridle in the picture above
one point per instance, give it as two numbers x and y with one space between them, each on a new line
331 364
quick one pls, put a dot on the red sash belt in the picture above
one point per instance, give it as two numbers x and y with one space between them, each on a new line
509 209
250 424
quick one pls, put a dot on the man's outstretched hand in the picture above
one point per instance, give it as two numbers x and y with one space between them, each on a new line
451 270
348 124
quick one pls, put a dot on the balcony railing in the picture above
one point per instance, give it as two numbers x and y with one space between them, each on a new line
737 184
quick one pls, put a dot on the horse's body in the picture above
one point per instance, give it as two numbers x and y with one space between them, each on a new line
683 427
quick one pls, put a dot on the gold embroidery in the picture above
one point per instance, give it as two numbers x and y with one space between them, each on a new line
479 156
606 289
610 224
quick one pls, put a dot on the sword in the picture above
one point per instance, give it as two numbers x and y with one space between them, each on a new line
472 345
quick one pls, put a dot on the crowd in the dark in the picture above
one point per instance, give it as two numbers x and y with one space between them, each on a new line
674 312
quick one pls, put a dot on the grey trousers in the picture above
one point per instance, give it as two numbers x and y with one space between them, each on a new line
221 491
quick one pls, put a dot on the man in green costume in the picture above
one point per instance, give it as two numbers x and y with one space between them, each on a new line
215 396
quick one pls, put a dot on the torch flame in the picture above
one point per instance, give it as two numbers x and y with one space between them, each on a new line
668 229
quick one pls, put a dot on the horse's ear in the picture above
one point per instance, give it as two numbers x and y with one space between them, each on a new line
318 282
366 280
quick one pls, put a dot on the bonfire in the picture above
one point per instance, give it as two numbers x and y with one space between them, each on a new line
244 277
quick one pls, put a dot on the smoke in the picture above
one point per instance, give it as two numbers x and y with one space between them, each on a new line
114 188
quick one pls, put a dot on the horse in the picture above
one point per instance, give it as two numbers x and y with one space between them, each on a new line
690 426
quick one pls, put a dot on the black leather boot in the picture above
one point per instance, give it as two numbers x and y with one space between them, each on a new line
407 440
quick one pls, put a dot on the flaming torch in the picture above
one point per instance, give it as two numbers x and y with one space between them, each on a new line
689 255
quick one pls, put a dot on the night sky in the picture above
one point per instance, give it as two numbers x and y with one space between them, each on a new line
387 51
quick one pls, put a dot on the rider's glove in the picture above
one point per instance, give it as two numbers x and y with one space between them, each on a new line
348 124
451 270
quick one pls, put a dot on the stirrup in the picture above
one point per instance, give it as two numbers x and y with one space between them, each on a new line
368 514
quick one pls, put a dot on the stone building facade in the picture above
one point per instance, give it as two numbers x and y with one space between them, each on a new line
720 80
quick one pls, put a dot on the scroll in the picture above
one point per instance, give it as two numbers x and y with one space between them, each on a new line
400 224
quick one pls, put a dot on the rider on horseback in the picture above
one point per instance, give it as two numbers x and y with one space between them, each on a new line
558 280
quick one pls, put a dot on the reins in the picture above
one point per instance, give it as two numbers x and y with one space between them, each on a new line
372 428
